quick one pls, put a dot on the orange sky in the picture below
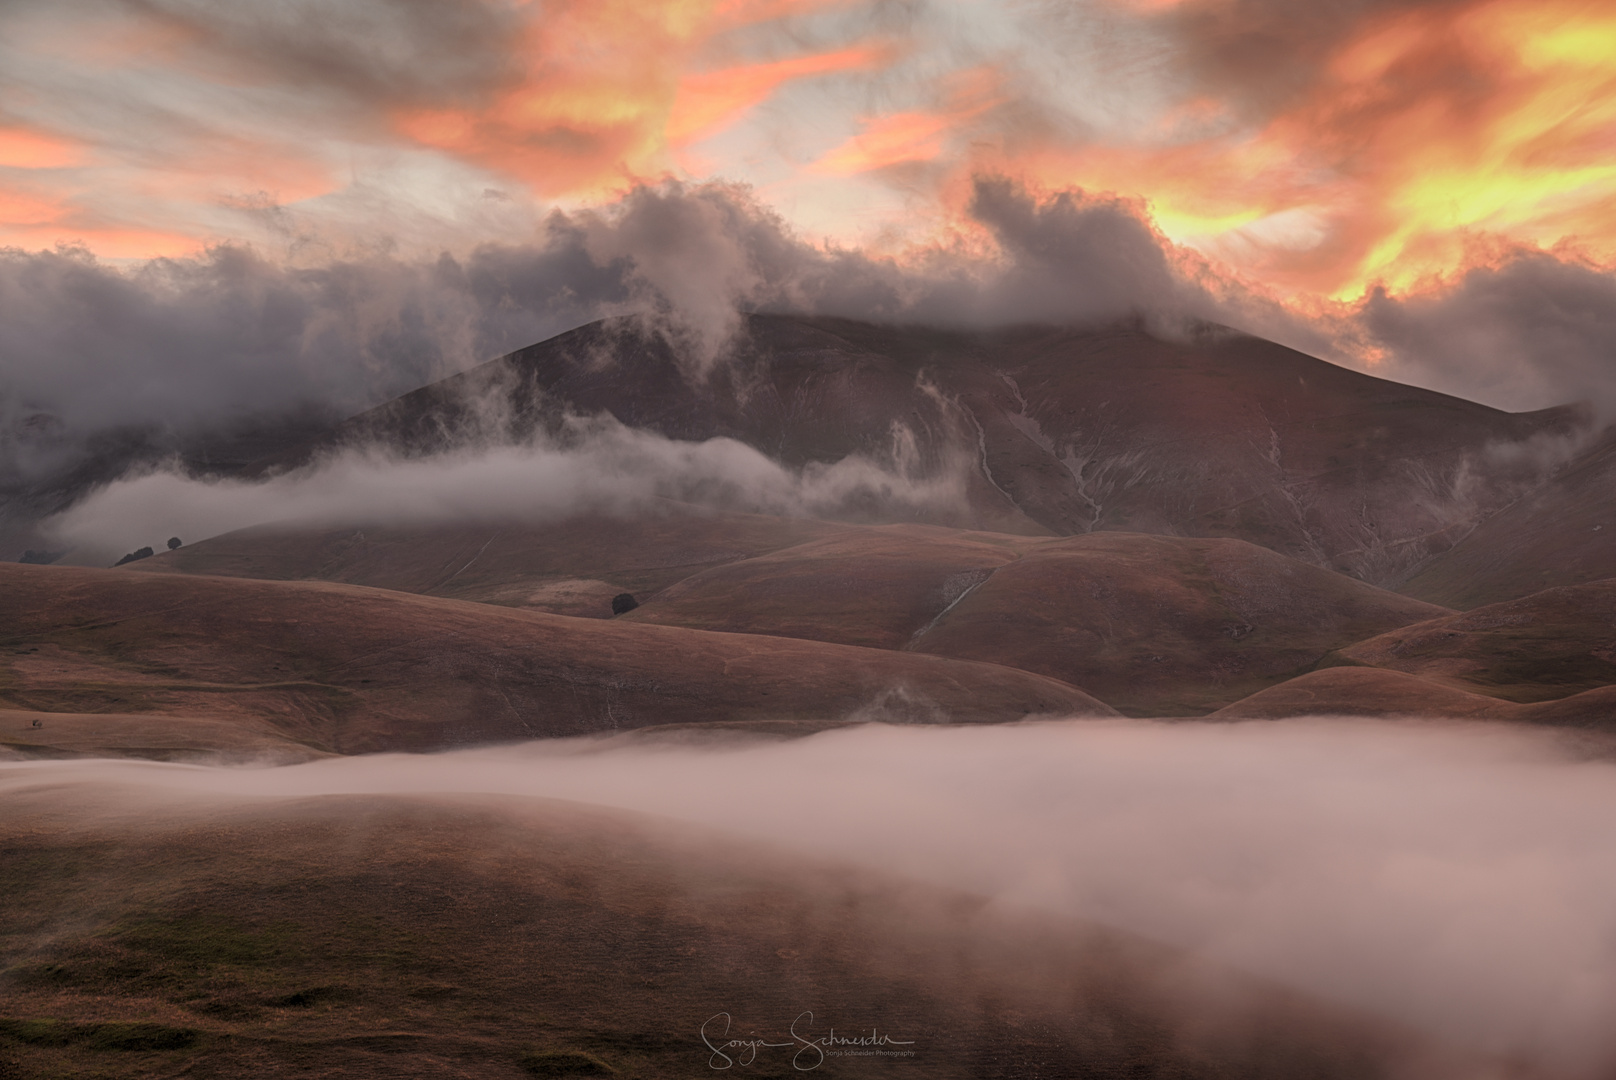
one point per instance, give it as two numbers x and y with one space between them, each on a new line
1404 146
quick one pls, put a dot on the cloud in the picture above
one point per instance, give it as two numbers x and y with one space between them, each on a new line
1324 151
1454 877
1076 257
1533 330
1265 54
177 346
1318 151
588 466
181 342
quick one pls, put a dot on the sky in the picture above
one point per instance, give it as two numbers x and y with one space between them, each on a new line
1426 187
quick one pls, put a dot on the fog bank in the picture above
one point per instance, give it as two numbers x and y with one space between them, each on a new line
1457 878
595 466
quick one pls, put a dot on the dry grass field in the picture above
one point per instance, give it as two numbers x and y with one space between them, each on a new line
345 669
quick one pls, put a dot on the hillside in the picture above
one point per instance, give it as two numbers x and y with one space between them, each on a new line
570 567
1153 625
1549 645
1168 626
1363 691
343 669
1170 525
1562 532
1060 430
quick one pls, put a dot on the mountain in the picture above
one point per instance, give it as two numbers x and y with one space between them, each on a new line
1169 525
1059 430
1561 532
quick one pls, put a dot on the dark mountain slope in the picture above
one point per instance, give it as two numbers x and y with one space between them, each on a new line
1561 533
1074 430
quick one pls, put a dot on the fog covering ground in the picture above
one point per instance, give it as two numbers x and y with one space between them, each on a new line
599 466
1453 877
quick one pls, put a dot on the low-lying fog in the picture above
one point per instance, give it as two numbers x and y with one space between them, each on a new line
1458 877
601 466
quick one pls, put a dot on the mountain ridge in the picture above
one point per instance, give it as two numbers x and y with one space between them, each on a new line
1067 430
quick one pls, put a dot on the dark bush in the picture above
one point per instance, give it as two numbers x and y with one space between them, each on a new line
173 542
40 558
143 553
624 602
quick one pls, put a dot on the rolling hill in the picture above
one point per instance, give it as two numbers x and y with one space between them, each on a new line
1168 626
344 669
1548 645
569 567
1152 625
1378 692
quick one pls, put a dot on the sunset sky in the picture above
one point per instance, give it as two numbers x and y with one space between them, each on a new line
1324 158
1316 148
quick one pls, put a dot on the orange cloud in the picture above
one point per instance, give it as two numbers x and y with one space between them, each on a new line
1533 159
711 100
20 209
24 148
1424 130
590 107
743 12
1417 139
606 91
233 168
30 219
919 136
109 242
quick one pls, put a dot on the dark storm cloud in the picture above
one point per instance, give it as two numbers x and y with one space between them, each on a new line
1066 258
178 343
1534 331
1075 257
